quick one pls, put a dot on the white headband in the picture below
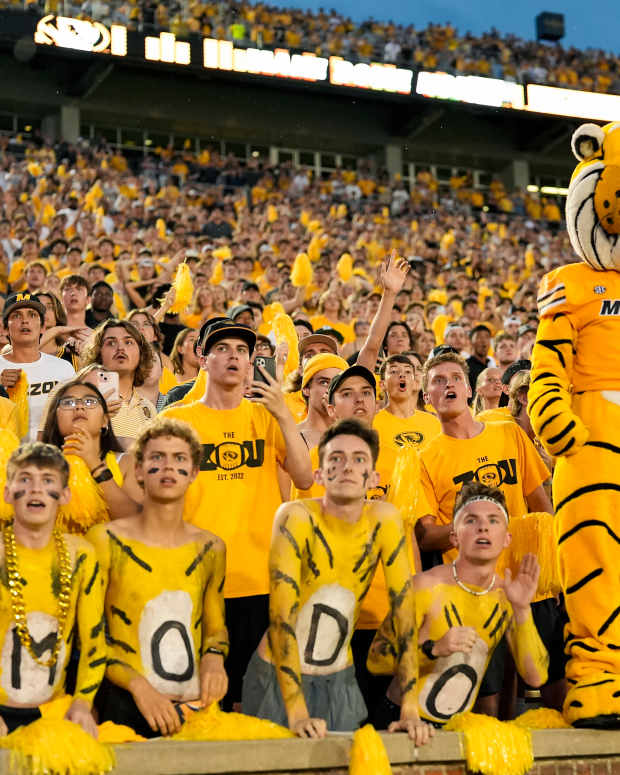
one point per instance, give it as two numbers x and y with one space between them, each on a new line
478 498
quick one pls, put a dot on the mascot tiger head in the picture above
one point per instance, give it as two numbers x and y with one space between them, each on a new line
593 201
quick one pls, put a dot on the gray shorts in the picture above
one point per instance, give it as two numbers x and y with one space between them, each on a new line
335 697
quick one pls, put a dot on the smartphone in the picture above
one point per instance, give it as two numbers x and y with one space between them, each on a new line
107 382
268 363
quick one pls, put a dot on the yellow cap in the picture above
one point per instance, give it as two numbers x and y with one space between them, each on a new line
319 362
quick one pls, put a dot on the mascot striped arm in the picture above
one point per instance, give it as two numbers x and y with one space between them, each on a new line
574 408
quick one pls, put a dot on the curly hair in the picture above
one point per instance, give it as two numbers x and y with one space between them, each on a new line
92 351
167 426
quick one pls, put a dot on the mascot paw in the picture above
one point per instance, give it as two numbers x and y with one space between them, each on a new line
594 702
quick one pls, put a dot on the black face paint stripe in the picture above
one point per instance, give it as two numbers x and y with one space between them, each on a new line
54 494
183 472
19 494
152 470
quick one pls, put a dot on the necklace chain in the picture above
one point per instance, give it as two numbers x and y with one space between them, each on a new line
17 598
468 589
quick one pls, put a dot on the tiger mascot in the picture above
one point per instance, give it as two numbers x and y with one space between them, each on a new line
574 408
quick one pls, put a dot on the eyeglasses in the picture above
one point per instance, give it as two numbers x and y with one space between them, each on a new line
89 402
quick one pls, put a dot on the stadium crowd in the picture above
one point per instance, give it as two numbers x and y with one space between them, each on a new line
329 33
391 321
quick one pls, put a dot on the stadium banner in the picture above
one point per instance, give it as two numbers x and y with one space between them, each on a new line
573 103
96 38
473 89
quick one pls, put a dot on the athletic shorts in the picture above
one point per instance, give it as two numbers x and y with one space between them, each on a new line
335 697
550 619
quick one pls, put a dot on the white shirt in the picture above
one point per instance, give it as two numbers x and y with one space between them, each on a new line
42 375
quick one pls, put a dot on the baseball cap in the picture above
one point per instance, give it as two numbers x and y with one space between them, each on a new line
226 329
521 365
19 301
234 312
353 371
328 331
328 341
319 362
526 328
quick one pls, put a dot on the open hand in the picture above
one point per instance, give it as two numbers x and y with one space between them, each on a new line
521 590
393 273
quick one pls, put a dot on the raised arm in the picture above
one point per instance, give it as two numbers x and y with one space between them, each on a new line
393 273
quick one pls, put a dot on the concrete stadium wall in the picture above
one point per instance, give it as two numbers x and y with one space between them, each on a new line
557 752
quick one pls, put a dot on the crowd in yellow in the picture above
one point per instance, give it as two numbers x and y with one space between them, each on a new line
329 33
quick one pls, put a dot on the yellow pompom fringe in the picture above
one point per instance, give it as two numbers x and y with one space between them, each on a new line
542 718
534 533
184 289
50 747
87 506
271 310
344 267
8 444
368 754
493 747
19 396
112 733
214 724
284 331
404 490
301 272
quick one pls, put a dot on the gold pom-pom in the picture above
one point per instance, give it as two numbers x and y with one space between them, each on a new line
541 718
493 747
183 288
197 390
160 225
218 273
344 267
109 732
271 310
534 533
8 444
19 396
301 272
404 490
52 747
213 724
87 506
368 754
284 331
272 214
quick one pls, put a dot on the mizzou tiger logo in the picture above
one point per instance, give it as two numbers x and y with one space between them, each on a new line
230 455
408 437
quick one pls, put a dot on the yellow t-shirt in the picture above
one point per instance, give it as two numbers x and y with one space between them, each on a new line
24 681
152 591
501 414
500 456
394 432
236 493
346 329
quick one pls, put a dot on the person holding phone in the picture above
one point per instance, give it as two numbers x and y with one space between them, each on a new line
120 347
77 421
236 493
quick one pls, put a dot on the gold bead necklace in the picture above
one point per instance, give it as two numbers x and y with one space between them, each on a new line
17 599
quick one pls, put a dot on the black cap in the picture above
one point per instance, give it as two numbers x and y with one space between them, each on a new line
19 301
234 312
522 365
353 371
248 285
328 331
226 329
203 331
